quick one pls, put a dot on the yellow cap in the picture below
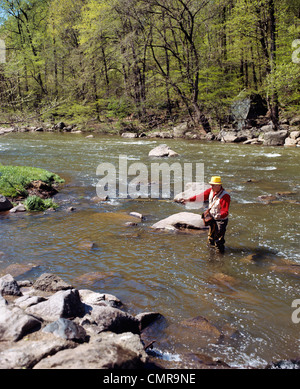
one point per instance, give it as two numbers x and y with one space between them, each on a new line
215 180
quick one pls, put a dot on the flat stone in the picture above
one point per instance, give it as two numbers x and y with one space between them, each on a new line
187 220
26 354
107 351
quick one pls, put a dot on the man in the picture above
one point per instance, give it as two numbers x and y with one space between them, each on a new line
219 202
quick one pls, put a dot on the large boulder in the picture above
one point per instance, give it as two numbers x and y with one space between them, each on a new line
5 204
105 318
180 130
245 109
275 138
162 151
181 220
65 303
107 351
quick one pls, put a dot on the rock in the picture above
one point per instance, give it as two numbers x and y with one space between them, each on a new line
275 138
290 142
17 269
254 141
27 301
65 304
166 135
51 283
107 351
187 220
162 151
295 134
5 204
137 215
129 135
110 319
92 277
89 297
224 280
267 198
295 121
2 301
202 325
204 361
89 136
247 108
147 318
60 126
15 324
180 130
86 245
8 286
232 137
66 329
267 128
287 269
285 364
18 208
26 354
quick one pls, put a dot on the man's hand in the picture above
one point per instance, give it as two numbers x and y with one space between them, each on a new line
181 201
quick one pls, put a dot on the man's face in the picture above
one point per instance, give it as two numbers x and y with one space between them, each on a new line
216 188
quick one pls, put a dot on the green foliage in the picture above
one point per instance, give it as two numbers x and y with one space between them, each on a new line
15 179
35 203
100 58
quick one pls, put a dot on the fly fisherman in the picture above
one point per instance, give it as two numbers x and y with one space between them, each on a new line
219 201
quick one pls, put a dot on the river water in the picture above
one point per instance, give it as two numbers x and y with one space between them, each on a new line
175 274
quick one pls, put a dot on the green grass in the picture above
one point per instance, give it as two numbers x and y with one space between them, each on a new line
15 179
35 203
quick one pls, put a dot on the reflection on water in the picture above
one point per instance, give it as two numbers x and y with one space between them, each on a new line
175 274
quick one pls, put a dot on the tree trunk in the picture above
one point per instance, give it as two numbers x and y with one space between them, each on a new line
274 96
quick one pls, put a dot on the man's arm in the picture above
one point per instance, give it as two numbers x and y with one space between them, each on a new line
198 198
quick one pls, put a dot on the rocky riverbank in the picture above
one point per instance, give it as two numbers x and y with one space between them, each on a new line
258 132
49 324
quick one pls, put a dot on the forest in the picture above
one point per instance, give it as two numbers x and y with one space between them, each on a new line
147 61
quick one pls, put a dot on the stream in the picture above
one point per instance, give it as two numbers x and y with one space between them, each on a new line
173 273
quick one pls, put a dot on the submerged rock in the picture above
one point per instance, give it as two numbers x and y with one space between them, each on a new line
201 325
